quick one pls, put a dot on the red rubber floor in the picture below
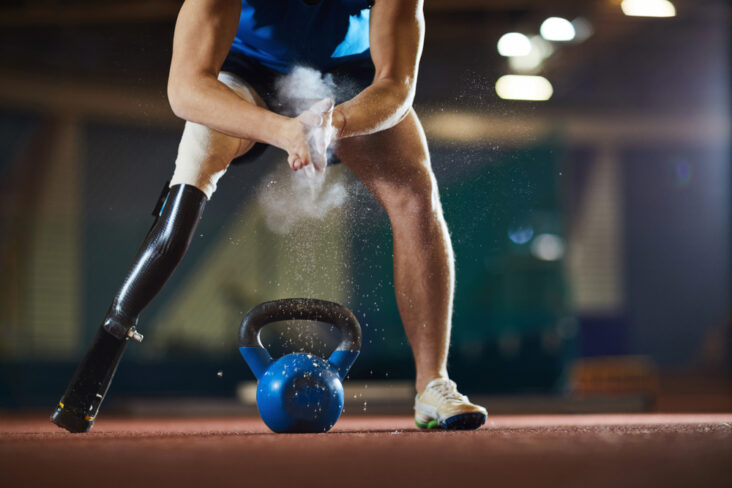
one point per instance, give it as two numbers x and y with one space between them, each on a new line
566 451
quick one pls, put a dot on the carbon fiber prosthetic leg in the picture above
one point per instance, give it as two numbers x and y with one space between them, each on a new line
162 250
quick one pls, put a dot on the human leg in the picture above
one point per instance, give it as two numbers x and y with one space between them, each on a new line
394 165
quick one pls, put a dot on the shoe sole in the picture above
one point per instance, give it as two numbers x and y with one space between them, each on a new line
464 421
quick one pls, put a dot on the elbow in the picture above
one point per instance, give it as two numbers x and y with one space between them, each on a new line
407 101
403 97
403 89
179 97
396 102
398 87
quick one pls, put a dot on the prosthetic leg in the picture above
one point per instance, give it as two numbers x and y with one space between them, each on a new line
161 251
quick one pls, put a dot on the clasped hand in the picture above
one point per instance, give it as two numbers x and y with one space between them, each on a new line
309 136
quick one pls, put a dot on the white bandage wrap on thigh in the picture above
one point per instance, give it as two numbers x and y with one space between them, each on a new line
203 153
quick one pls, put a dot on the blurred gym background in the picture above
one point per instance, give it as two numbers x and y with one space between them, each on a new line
583 153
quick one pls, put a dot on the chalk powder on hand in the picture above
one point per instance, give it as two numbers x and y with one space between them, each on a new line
286 197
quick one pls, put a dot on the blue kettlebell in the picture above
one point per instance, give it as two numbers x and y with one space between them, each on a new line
300 392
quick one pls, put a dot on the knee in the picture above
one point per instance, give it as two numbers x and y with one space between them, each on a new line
212 149
203 157
208 148
204 154
415 201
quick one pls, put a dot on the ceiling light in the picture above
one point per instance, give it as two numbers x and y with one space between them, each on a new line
514 44
648 8
523 87
557 29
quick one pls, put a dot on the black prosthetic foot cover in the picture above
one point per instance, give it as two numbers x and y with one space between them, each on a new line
84 395
162 250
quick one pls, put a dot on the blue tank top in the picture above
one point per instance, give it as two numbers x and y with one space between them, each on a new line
282 33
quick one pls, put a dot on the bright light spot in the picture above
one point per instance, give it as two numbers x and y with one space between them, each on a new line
648 8
514 44
520 235
557 29
547 247
540 50
523 87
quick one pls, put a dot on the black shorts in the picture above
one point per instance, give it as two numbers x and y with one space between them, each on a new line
350 79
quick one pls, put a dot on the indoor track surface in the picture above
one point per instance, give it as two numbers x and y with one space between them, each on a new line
567 451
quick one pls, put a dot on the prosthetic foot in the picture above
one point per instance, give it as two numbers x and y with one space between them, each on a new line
83 397
162 250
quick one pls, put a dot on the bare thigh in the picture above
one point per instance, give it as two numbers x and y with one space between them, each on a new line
204 154
394 165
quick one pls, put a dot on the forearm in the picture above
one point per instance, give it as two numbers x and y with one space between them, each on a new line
205 100
204 32
380 106
396 36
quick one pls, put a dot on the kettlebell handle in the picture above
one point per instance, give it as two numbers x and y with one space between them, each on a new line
340 317
301 309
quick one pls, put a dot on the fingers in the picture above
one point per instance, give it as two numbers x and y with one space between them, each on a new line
299 160
311 119
318 114
291 159
310 170
319 140
322 106
317 136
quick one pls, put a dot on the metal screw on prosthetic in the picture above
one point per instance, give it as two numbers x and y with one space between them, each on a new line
134 335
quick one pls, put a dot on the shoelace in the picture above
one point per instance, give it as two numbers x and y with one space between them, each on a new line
448 390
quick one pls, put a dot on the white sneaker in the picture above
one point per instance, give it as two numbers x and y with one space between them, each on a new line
441 406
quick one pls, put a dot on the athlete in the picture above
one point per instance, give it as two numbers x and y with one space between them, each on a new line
227 55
